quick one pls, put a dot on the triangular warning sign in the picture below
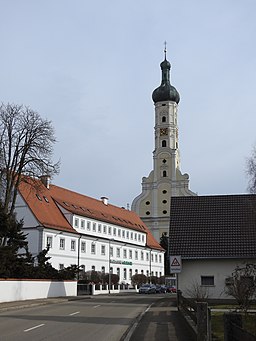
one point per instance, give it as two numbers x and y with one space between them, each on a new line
175 262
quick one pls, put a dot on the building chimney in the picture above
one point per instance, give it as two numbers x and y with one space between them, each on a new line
45 179
104 200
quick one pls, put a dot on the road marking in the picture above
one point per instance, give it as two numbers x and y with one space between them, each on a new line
96 306
28 330
77 312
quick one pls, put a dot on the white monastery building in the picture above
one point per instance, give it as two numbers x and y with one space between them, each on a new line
165 180
90 233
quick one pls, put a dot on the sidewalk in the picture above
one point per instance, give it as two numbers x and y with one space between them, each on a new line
160 322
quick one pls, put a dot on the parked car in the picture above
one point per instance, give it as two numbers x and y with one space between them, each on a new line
171 289
147 289
161 289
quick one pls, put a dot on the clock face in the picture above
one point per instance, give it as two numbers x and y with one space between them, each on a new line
163 131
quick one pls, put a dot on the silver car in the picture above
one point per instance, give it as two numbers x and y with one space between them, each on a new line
147 289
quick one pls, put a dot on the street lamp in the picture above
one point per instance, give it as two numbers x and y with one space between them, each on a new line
150 250
109 274
78 255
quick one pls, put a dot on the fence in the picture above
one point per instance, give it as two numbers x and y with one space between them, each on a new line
233 328
100 289
198 315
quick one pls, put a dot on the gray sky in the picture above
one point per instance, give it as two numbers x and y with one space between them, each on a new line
91 66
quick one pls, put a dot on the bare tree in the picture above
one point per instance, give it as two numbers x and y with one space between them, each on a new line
197 292
26 148
242 285
251 171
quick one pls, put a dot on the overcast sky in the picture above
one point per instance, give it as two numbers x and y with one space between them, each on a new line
91 66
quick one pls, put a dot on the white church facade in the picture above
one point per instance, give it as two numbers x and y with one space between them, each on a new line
165 180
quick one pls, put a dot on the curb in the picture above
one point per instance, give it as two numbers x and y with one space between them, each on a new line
128 333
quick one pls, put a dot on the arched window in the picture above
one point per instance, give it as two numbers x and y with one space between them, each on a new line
164 174
164 119
164 143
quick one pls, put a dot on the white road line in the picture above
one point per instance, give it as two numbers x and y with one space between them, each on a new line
28 330
77 312
96 306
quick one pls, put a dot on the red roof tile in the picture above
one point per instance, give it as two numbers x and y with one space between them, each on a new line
43 204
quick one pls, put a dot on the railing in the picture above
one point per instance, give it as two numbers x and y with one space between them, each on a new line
197 315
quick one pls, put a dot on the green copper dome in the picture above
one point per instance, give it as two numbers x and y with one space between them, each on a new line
165 92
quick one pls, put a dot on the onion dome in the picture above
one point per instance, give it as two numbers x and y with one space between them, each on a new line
165 92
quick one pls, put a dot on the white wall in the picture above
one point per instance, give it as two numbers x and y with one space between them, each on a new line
19 290
192 270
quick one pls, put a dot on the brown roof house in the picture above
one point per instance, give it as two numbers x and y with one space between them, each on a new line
213 235
82 230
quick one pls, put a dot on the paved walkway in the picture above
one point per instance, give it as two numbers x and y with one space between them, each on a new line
161 321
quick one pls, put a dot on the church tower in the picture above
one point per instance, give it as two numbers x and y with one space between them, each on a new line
166 179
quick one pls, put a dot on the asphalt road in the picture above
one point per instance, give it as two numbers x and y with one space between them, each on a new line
98 319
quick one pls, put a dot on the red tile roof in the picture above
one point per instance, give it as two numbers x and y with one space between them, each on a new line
44 203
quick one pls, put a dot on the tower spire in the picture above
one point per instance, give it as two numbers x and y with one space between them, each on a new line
165 49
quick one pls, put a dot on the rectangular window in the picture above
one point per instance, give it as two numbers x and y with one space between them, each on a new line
136 254
127 234
142 237
139 237
131 235
73 245
207 280
135 236
118 272
61 266
142 255
49 241
62 243
111 251
130 254
130 273
125 253
82 224
109 230
119 232
123 233
104 229
118 252
114 231
93 248
147 256
156 258
99 228
103 249
83 247
94 227
76 222
88 226
125 274
160 258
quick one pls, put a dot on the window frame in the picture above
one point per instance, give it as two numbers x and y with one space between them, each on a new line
207 281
